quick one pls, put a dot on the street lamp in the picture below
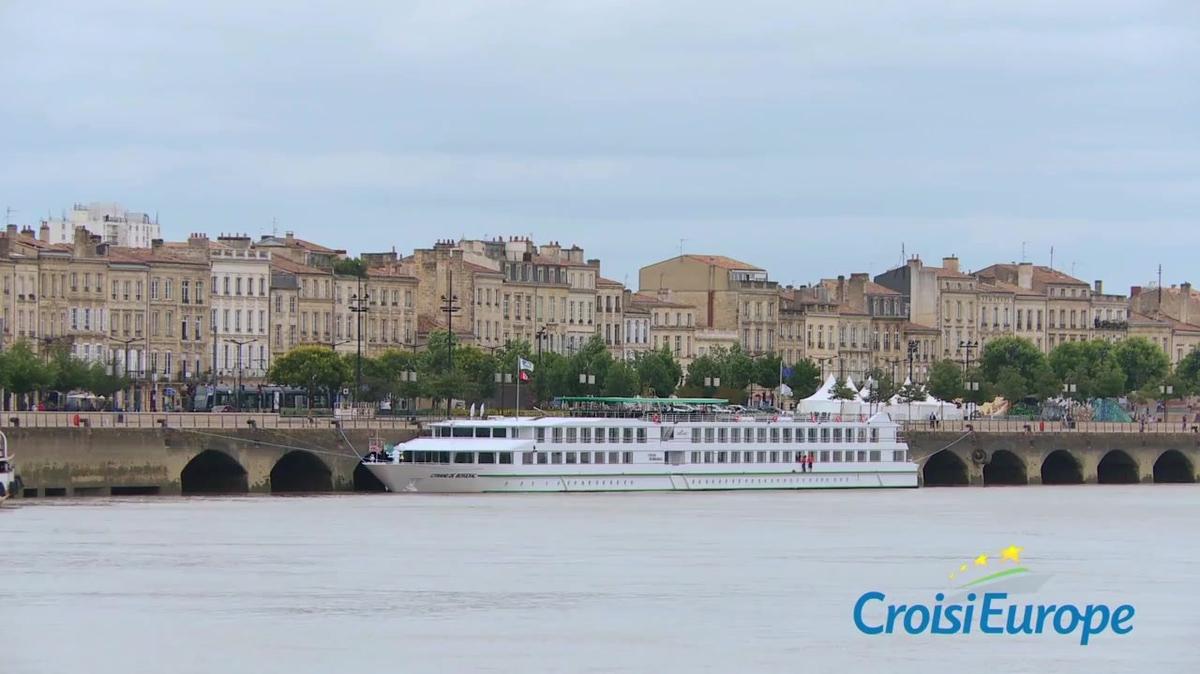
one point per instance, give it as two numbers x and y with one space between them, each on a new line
1165 390
912 353
358 304
127 342
966 346
237 394
450 306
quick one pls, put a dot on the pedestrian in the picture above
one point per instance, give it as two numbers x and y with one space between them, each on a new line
810 462
803 469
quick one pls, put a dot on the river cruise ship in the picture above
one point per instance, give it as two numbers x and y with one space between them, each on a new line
634 444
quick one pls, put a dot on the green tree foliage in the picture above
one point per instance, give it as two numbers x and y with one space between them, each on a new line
311 367
911 392
880 386
842 391
22 372
945 380
1011 385
70 373
805 379
705 367
1187 372
350 267
658 373
622 380
1143 362
1006 359
766 371
1091 366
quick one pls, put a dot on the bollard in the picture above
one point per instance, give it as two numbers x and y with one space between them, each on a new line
15 422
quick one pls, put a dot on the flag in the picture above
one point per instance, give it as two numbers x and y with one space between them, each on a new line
524 365
787 372
524 376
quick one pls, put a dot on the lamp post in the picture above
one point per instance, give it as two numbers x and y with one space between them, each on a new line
1165 390
237 393
912 353
450 306
358 304
127 342
967 346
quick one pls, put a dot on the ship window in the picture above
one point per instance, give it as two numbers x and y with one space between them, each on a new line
539 434
505 457
585 435
614 435
443 432
837 435
761 458
862 434
443 457
824 435
774 435
599 457
585 457
627 457
874 454
528 458
487 457
862 455
774 457
461 432
722 435
570 457
571 434
874 435
483 432
837 456
556 434
641 435
749 457
541 456
722 457
812 435
614 457
762 435
849 457
627 434
735 457
464 457
787 457
709 434
556 457
735 435
787 435
825 456
502 432
695 434
696 457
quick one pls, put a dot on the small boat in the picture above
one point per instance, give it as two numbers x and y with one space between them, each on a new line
8 472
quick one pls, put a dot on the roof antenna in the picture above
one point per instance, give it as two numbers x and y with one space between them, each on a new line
274 227
1023 259
8 212
681 247
1052 257
1160 287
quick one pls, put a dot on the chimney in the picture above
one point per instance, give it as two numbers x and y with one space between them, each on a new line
950 263
1098 286
82 243
841 288
156 244
1025 275
1185 300
1134 291
198 241
11 231
44 233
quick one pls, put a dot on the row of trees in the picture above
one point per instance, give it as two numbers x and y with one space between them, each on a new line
23 372
1015 369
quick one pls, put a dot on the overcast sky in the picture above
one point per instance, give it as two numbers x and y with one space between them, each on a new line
810 138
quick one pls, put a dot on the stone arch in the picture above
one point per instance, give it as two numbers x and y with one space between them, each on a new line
1005 467
1173 466
1117 467
365 480
213 472
945 469
300 471
1061 467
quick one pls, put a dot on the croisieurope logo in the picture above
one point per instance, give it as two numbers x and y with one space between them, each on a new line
979 600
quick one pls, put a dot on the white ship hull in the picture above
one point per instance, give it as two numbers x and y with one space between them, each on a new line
478 479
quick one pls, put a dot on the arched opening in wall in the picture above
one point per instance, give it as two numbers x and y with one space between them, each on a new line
1117 467
298 472
1061 468
1005 467
365 480
945 469
213 472
1173 466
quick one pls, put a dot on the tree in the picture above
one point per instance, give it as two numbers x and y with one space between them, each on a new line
1188 371
766 371
658 372
1011 385
841 391
70 373
22 372
350 266
1091 366
911 392
622 380
1143 362
882 386
945 380
592 358
805 379
1013 358
311 367
704 368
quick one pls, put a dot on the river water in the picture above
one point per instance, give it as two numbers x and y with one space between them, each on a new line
714 582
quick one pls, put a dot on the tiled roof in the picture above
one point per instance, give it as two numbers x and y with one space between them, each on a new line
909 326
723 262
601 281
653 301
291 266
873 288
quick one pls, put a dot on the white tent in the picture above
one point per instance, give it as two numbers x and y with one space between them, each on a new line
823 402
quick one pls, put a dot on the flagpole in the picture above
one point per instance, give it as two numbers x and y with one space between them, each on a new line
518 387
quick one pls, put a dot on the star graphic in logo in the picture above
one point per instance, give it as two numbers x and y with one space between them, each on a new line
1012 553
